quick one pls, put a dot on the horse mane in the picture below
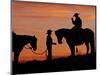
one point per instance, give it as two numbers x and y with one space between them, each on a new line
62 29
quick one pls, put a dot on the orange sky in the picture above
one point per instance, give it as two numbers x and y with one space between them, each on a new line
29 18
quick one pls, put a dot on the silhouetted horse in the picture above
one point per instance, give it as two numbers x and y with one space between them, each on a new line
76 37
19 41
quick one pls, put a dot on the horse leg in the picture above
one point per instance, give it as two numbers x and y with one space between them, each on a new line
73 50
72 47
87 46
16 56
92 44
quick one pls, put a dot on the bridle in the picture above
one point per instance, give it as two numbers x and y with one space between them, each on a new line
30 47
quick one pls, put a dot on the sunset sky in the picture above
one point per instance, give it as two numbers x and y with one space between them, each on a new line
30 18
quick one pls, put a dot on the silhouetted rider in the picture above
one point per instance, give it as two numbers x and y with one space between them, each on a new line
77 22
49 44
77 29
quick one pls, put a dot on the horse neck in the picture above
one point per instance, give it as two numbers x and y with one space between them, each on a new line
66 33
26 39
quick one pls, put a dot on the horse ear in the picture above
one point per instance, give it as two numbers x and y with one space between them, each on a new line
33 35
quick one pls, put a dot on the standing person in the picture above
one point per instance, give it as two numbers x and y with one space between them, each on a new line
77 22
49 44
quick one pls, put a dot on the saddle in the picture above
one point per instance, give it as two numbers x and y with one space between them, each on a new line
77 35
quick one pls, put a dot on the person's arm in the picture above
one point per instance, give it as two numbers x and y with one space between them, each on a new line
80 22
54 43
73 21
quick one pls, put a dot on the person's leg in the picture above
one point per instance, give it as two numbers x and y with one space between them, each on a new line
49 54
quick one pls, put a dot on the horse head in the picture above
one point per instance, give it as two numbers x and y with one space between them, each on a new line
59 37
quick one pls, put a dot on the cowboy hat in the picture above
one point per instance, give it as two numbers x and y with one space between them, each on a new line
76 14
49 31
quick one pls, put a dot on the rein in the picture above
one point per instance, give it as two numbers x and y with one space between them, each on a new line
29 47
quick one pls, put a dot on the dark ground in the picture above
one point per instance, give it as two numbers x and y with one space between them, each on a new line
85 62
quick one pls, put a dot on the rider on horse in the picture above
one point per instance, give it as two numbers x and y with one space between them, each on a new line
77 29
77 22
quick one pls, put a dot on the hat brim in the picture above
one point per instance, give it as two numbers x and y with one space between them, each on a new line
48 32
76 14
